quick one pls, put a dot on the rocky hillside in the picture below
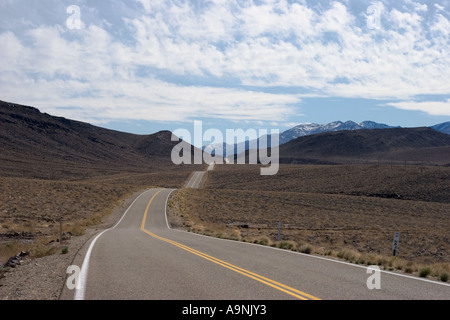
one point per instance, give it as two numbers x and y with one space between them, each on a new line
39 145
421 145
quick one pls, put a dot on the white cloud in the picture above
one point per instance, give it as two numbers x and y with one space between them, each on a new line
439 7
417 6
328 51
13 53
283 44
441 25
147 99
436 108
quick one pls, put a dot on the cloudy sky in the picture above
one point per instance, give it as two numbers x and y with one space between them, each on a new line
146 65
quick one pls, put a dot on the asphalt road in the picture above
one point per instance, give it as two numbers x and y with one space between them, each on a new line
142 258
196 179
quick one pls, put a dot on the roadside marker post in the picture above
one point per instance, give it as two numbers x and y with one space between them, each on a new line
395 243
60 230
279 230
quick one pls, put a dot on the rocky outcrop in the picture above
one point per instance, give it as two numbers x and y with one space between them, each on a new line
16 260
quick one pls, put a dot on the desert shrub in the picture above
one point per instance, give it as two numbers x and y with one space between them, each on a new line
409 270
287 245
234 236
263 241
42 251
371 260
77 229
347 254
65 250
382 261
424 272
444 277
305 249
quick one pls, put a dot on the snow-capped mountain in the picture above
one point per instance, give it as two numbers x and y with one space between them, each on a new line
307 129
313 128
296 132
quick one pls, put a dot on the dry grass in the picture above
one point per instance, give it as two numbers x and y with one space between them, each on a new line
30 209
335 217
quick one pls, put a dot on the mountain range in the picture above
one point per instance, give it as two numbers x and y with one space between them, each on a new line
314 128
391 145
39 145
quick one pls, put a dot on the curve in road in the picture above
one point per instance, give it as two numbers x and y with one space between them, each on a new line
142 258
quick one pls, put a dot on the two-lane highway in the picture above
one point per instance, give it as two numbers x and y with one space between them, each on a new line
142 258
195 180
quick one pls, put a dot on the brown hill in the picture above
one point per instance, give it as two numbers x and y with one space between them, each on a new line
421 145
39 145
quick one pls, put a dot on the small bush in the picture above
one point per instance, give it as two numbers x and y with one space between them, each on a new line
286 245
424 272
263 241
371 260
383 261
42 251
78 230
347 254
444 277
305 249
65 250
408 270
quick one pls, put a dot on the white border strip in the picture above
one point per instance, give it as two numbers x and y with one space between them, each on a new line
82 278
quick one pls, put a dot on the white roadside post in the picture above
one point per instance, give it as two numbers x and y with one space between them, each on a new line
395 243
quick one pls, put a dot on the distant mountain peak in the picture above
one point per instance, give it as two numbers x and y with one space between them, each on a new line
419 145
313 128
442 127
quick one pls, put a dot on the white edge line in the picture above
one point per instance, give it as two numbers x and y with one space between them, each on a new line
302 254
165 208
80 289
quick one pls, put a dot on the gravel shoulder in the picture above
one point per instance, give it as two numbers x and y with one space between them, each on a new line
44 278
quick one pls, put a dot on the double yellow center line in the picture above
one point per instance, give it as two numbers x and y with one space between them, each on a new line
279 286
